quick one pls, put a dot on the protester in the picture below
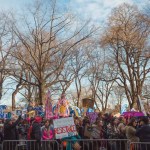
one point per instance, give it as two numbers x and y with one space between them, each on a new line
144 133
122 127
47 134
36 134
1 135
106 132
11 133
113 133
131 130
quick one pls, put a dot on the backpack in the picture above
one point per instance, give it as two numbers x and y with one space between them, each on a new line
29 132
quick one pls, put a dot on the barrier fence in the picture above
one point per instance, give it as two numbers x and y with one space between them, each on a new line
30 145
140 146
82 144
96 144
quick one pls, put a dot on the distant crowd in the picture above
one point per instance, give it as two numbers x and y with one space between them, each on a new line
105 127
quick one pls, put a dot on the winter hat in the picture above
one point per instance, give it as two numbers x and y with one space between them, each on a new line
38 119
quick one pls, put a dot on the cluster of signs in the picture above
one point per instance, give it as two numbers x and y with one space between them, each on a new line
5 114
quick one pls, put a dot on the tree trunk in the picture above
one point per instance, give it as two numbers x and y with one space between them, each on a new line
1 86
42 90
1 90
13 99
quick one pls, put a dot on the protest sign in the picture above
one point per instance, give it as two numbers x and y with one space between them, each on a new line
48 107
31 114
9 115
92 116
18 112
124 108
39 110
95 133
88 103
1 112
2 108
64 127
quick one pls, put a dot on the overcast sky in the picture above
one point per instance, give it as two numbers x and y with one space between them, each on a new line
95 9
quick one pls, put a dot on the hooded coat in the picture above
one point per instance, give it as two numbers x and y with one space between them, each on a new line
36 129
10 131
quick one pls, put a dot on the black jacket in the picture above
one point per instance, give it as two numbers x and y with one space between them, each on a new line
10 131
1 137
36 131
144 133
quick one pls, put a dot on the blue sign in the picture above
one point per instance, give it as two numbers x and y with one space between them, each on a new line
124 108
18 112
3 106
90 110
1 113
39 110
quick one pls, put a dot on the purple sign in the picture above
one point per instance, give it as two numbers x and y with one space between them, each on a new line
92 116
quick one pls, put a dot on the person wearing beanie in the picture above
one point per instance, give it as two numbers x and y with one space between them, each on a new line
36 133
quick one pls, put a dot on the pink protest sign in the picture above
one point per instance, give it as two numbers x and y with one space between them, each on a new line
92 116
48 107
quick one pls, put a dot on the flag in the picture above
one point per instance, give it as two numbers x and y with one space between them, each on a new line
141 106
48 106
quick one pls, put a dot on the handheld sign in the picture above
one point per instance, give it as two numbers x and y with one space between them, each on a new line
1 113
18 112
64 127
92 116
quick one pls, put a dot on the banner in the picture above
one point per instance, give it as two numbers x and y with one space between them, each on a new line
92 116
64 127
48 107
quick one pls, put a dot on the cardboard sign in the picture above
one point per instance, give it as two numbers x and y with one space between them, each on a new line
31 114
92 116
88 103
64 127
95 133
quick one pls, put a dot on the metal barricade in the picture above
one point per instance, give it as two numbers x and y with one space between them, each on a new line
30 145
140 146
95 144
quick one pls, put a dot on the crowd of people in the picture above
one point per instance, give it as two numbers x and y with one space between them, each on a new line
105 127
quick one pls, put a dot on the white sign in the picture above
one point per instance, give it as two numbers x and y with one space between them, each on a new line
95 133
64 127
18 112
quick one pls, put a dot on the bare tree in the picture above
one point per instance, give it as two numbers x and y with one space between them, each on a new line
44 44
6 44
119 95
126 36
79 65
101 77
